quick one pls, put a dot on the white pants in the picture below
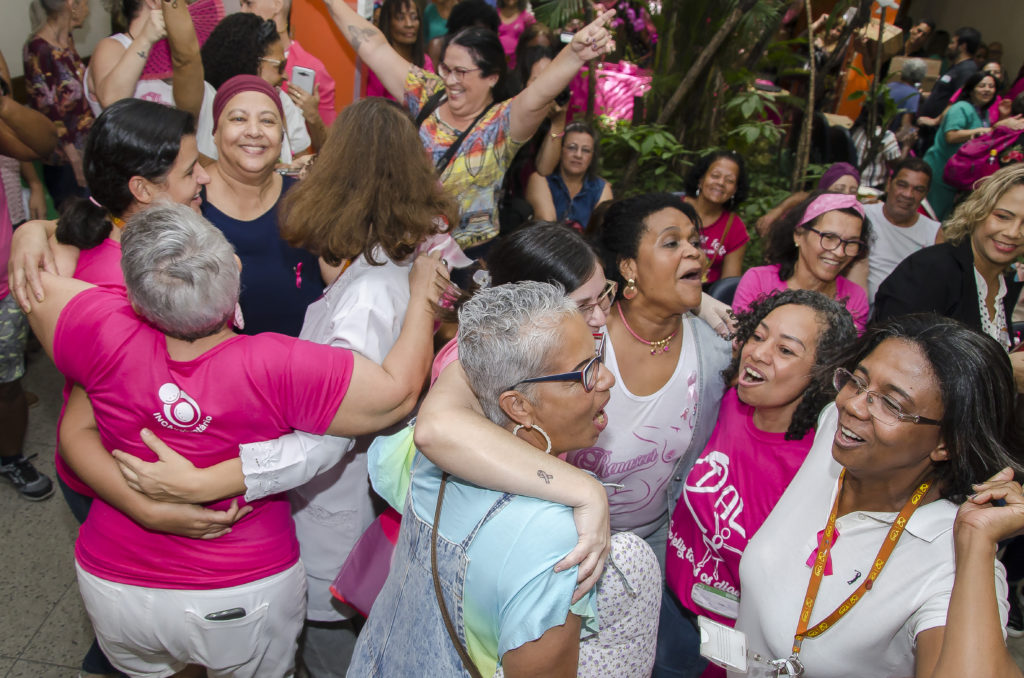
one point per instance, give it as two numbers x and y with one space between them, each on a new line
154 633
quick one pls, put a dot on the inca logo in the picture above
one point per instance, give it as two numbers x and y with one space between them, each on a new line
178 407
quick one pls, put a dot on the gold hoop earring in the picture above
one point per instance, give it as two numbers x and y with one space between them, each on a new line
630 290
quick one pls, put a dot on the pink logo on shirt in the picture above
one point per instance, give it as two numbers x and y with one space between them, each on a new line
180 410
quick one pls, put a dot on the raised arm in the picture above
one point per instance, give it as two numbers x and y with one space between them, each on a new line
82 448
371 46
452 432
972 642
538 194
530 106
187 78
114 70
380 395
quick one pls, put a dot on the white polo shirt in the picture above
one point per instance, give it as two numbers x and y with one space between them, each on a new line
877 637
892 244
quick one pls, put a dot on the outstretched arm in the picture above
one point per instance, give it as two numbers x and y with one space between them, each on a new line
187 78
115 70
371 46
452 432
530 106
24 134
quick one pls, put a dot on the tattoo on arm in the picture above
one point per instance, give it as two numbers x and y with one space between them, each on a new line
141 53
357 36
546 477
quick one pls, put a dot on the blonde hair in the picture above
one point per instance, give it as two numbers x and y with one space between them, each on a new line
980 203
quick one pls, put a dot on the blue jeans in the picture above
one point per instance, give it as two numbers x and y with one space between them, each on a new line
678 651
95 661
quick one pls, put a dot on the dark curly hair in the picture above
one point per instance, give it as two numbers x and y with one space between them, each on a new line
132 137
701 168
836 335
235 47
977 389
780 248
618 234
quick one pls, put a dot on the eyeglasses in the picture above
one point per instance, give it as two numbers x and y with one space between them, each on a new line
881 407
444 70
832 241
278 64
604 300
587 375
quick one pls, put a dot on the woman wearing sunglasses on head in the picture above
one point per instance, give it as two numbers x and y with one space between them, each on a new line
809 249
467 122
852 572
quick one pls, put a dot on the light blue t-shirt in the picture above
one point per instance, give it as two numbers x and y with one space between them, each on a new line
512 595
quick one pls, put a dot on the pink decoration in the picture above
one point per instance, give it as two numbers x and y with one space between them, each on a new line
618 83
206 14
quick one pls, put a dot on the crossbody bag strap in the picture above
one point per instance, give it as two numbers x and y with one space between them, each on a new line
442 164
460 648
429 107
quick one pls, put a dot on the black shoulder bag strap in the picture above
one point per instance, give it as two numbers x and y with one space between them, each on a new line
429 107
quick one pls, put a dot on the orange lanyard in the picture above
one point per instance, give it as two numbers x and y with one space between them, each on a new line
895 532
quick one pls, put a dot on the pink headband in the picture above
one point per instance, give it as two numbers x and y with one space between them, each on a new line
828 202
239 84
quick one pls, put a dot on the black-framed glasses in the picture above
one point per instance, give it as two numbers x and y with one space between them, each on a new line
587 375
880 406
831 241
444 70
604 300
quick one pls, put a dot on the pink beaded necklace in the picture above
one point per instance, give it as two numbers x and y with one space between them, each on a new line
655 345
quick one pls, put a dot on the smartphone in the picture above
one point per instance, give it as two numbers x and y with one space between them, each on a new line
566 37
303 78
226 615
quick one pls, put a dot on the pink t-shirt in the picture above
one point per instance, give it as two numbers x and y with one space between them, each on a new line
445 357
100 265
718 242
765 280
298 56
244 389
375 88
731 489
509 34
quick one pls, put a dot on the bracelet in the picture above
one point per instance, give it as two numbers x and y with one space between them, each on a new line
557 135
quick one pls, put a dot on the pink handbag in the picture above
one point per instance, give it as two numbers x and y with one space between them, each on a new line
362 576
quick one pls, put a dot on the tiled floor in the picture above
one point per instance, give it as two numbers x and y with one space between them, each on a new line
44 631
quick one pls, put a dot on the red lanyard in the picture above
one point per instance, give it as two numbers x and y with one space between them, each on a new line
895 532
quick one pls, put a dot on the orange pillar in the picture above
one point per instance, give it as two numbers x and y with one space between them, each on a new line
315 29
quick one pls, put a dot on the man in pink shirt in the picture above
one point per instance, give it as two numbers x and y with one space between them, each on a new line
234 605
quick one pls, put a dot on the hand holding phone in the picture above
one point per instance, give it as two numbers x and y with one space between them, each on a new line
303 78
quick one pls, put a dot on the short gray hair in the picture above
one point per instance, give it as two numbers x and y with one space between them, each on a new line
180 271
509 333
914 70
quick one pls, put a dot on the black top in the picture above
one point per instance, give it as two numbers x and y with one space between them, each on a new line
278 281
945 87
939 278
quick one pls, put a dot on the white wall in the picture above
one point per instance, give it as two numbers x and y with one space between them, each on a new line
998 20
16 25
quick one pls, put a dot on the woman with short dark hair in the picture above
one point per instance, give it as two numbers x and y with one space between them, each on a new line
716 185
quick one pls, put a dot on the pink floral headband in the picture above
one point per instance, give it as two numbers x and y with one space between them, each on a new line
828 202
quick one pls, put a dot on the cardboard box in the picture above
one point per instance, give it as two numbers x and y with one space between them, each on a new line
892 38
934 67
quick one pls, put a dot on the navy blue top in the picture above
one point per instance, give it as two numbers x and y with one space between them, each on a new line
278 281
579 208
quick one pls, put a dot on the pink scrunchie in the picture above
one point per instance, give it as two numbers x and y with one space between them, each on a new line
239 84
827 202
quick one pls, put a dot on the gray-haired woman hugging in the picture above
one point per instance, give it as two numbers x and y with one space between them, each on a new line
472 587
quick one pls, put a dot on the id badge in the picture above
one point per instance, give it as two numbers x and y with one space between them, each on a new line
720 602
722 645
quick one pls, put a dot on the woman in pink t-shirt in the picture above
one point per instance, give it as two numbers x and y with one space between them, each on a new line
515 19
809 249
715 187
399 21
764 431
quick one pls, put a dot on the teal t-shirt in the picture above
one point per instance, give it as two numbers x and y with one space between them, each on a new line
512 595
433 24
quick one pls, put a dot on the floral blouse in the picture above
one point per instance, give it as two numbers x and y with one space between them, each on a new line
54 79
